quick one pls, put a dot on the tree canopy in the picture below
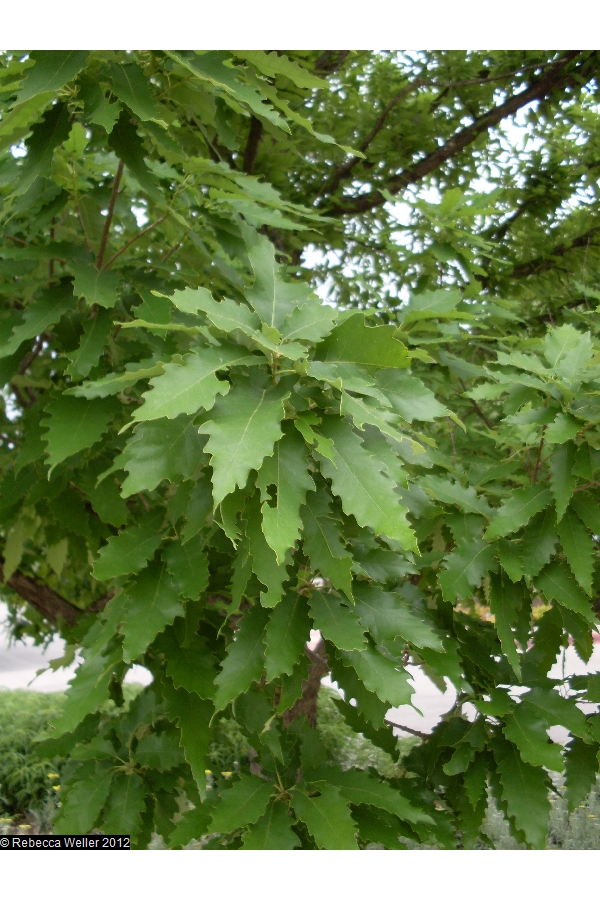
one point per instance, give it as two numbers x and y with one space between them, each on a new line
201 461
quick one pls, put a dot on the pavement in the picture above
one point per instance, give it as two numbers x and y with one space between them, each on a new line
20 662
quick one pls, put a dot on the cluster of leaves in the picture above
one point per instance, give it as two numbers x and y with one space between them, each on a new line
206 463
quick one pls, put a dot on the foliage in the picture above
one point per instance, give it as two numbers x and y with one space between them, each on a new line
201 461
24 781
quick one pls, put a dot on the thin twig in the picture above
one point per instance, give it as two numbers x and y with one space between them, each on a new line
536 468
111 209
172 251
584 487
33 354
85 237
133 240
419 734
11 237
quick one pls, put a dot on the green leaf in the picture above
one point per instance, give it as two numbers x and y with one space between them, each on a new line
388 618
272 299
96 107
118 381
273 64
579 548
564 428
158 751
353 341
230 317
264 562
518 510
557 710
82 804
154 603
52 70
409 397
286 474
88 689
91 347
557 583
453 492
528 733
192 825
358 787
431 304
245 658
588 509
47 309
132 87
323 543
125 805
190 664
336 622
568 351
380 675
327 818
45 136
365 493
97 287
587 462
193 716
242 804
243 428
188 564
75 424
506 602
161 449
128 146
273 831
539 541
509 554
562 479
286 633
525 792
465 568
309 322
191 386
581 770
130 550
363 413
211 67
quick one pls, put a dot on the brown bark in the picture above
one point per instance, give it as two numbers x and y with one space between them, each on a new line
307 704
254 136
330 61
47 602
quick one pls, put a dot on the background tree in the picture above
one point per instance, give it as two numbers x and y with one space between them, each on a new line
201 461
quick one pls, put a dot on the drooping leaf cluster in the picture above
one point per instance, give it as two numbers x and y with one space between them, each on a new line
202 462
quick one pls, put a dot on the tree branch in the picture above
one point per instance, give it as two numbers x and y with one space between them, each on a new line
344 170
254 136
133 240
419 734
330 61
542 264
307 704
47 602
109 217
554 78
